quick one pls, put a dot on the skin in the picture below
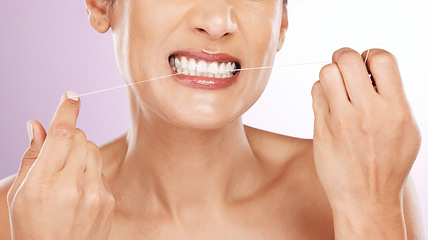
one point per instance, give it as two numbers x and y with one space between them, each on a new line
189 169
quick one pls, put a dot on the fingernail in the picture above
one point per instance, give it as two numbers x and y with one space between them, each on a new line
73 95
30 131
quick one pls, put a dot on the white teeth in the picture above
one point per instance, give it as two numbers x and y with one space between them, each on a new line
213 68
184 62
202 66
177 63
194 67
228 67
222 68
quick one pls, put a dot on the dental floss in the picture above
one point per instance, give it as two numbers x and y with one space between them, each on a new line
367 56
242 69
370 74
126 85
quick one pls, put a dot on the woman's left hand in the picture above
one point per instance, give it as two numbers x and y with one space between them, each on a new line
365 140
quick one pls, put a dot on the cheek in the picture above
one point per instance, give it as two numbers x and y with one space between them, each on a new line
261 31
137 38
265 43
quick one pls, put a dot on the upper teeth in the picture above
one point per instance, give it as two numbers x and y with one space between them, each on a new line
195 67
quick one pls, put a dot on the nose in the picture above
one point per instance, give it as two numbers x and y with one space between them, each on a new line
213 19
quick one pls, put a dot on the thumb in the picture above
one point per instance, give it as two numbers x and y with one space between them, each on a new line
37 135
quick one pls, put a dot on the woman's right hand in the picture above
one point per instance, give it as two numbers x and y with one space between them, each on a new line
60 192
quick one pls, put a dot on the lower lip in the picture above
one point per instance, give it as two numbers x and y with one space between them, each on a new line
205 82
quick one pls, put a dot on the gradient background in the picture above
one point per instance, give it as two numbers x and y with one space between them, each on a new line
48 48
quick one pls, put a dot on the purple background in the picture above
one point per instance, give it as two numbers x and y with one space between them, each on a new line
48 48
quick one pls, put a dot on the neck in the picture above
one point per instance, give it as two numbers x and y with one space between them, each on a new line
179 169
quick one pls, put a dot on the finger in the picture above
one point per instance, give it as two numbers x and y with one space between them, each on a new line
320 103
93 165
75 164
109 202
384 69
321 109
96 189
37 135
92 179
358 85
333 87
60 138
93 190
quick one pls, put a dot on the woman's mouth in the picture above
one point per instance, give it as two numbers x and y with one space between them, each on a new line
204 70
197 67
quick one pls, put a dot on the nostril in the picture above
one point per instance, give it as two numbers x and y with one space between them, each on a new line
202 30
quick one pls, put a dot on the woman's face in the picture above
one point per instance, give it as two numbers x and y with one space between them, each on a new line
202 40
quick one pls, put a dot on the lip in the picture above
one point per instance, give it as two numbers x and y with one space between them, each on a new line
205 82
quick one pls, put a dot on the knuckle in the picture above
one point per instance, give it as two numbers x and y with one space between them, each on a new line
33 193
93 150
63 131
92 146
367 127
315 89
109 202
72 196
80 134
368 122
340 125
328 71
347 56
381 57
95 200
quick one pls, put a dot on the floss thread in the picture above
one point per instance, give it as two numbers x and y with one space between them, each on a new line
242 69
170 75
368 71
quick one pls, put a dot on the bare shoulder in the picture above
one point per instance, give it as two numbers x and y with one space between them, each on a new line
5 184
295 156
276 147
299 180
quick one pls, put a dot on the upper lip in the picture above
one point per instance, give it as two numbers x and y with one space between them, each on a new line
209 57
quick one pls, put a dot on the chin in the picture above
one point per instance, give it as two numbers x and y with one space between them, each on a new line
201 118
